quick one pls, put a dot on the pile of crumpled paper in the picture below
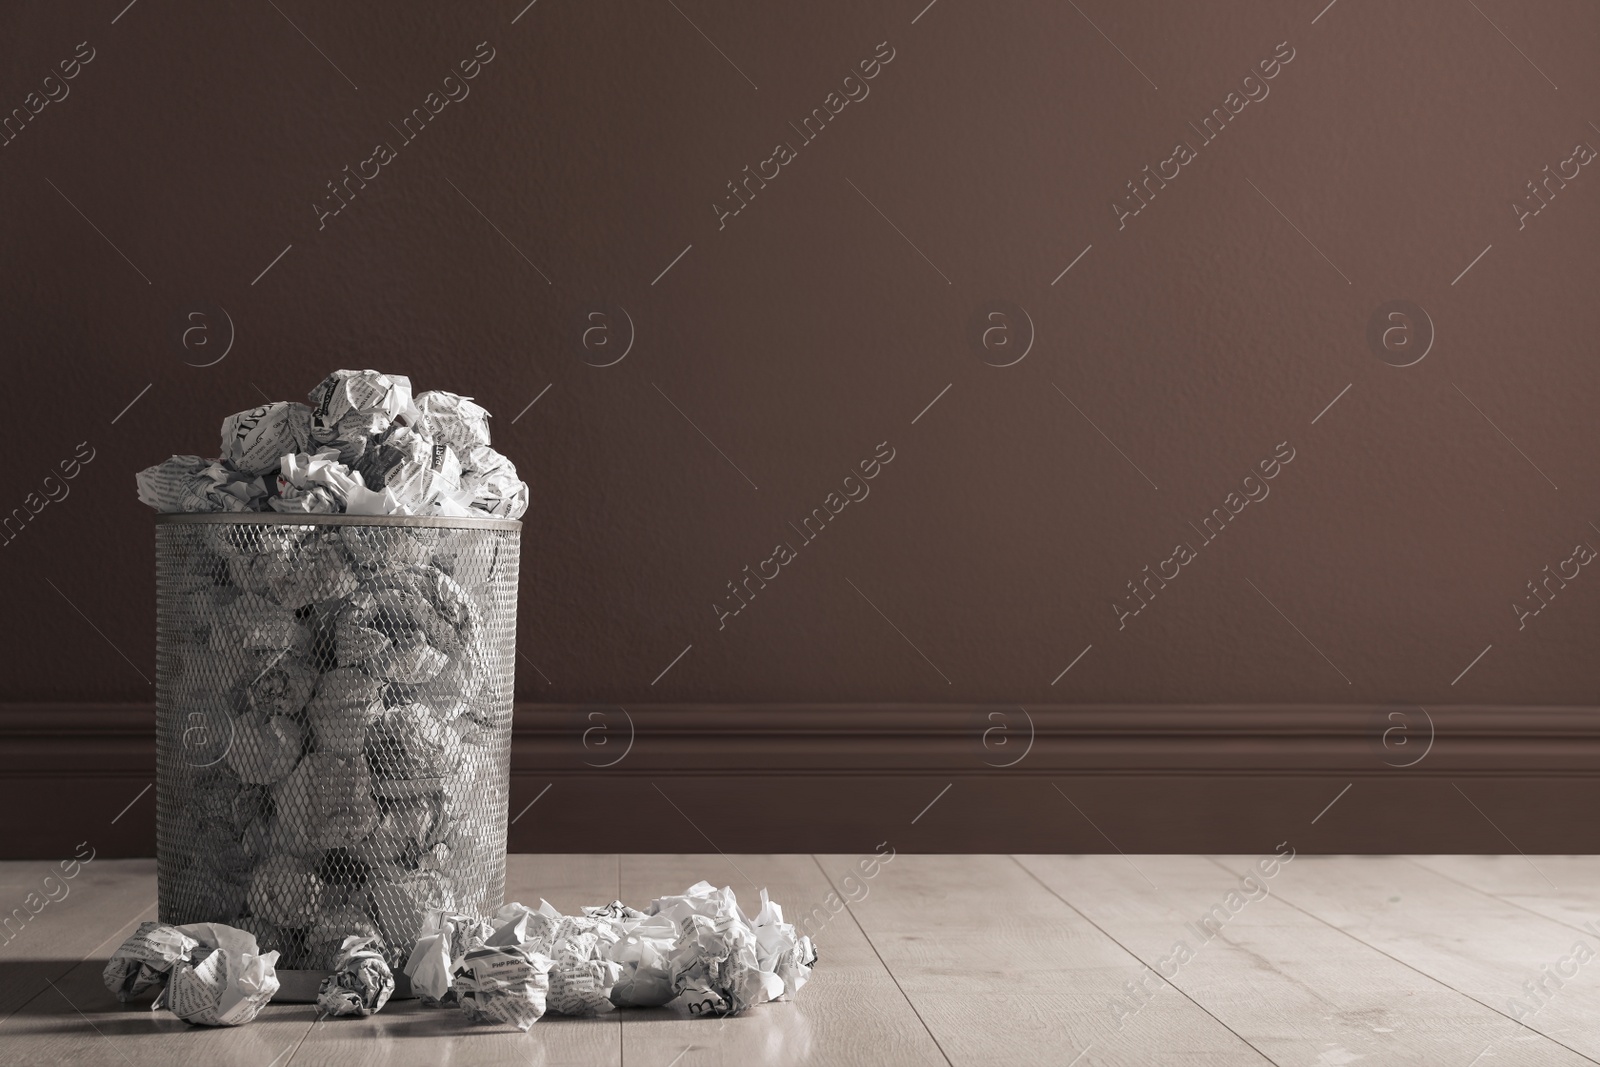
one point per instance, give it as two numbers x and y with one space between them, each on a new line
697 951
363 446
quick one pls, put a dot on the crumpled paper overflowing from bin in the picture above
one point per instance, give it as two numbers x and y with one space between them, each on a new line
363 446
207 974
697 951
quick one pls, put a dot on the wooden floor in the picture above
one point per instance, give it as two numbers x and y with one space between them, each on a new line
954 960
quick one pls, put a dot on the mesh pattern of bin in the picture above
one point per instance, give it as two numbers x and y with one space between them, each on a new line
333 724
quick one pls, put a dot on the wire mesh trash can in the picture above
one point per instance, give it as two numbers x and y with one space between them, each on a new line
333 724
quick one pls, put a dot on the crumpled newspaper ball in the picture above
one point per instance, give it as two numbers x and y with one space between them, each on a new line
361 982
397 912
717 962
141 964
421 606
392 634
227 862
581 974
502 984
780 949
226 981
400 835
215 800
409 661
266 557
364 391
455 420
490 482
452 692
192 484
349 407
252 809
355 639
714 967
414 467
253 440
581 982
444 939
531 929
464 843
205 973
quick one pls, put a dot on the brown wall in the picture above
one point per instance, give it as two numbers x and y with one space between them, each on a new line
1213 325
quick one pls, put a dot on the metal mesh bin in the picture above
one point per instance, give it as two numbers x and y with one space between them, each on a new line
333 724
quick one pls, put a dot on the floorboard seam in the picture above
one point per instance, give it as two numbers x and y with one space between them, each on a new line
1109 936
882 962
1496 897
1417 970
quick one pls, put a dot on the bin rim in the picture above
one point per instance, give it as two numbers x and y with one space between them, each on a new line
275 518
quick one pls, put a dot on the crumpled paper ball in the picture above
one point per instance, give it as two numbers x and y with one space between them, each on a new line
206 973
192 484
224 982
411 465
253 440
581 974
490 482
316 572
349 407
361 982
374 550
455 420
719 963
642 952
208 886
314 483
444 939
141 964
282 685
502 984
